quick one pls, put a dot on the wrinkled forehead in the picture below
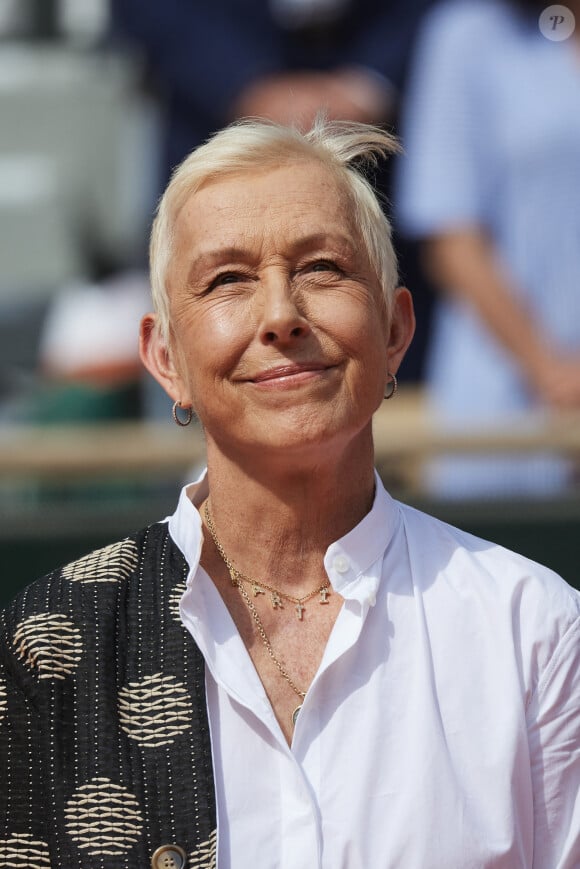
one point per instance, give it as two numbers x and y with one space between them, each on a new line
286 181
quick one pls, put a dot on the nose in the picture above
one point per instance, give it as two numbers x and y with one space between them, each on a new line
282 317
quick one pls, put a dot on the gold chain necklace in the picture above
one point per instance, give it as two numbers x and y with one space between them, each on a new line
235 577
259 587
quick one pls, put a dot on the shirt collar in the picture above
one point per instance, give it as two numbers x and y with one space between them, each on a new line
353 563
185 525
348 561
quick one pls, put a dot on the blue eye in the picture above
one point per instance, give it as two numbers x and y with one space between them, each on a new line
323 265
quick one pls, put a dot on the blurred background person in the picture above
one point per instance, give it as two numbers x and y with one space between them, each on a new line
278 59
491 184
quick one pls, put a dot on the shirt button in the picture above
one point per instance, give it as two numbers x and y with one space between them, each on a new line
168 857
341 564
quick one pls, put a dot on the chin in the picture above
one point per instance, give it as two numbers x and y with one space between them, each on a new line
309 436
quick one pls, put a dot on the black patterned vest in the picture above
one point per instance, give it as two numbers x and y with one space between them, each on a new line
105 752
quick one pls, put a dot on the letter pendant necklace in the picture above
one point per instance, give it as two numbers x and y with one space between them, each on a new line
276 595
237 580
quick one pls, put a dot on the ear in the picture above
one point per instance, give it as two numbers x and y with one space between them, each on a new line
157 358
401 328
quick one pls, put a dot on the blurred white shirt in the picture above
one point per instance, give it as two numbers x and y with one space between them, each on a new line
442 730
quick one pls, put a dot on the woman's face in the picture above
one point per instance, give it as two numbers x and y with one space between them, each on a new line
278 333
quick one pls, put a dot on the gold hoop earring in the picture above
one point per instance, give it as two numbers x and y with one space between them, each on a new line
188 417
391 386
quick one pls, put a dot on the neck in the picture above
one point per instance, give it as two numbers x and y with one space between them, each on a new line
275 516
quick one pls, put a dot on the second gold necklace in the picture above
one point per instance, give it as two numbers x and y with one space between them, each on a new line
235 577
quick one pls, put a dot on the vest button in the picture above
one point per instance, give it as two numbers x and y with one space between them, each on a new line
168 857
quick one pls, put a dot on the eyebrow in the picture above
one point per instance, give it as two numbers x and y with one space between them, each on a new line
214 257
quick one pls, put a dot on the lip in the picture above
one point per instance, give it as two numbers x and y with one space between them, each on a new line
287 371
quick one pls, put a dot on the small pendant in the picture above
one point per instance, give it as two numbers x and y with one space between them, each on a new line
257 590
299 610
324 592
295 715
276 600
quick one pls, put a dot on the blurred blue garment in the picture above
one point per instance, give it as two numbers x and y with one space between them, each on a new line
492 139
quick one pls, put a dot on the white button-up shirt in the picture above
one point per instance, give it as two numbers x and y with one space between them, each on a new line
442 729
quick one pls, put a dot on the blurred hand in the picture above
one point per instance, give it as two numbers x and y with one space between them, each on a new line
296 98
556 379
466 260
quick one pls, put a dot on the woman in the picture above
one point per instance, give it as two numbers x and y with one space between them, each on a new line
490 183
334 679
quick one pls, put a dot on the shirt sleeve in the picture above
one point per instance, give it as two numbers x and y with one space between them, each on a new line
441 176
554 740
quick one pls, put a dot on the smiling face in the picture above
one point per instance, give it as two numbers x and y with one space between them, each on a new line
278 331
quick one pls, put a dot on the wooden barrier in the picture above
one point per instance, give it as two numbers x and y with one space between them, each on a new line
402 428
67 490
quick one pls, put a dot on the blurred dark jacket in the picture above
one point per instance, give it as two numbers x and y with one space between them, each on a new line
203 55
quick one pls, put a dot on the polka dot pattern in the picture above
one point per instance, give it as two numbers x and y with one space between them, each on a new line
205 857
49 644
103 818
174 600
114 563
155 710
22 851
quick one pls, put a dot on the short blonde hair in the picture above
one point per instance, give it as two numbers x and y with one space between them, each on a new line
345 148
